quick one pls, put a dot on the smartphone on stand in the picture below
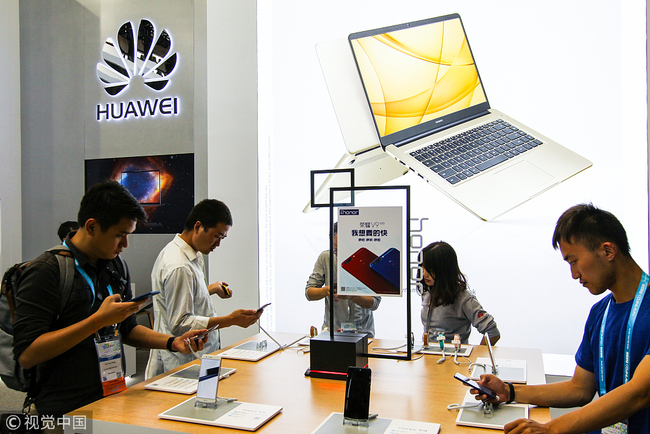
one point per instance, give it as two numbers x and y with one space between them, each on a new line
206 393
357 393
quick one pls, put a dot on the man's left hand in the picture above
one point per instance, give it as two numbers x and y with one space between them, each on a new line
221 289
525 426
182 343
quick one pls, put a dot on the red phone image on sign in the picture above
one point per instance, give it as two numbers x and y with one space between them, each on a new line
358 265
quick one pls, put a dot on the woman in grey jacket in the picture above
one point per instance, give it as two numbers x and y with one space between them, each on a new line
448 306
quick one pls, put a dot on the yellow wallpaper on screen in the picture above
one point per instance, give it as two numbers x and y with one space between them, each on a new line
415 75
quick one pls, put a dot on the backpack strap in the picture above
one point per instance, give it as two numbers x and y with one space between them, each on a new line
65 260
119 270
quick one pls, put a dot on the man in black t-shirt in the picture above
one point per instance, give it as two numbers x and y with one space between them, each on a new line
62 341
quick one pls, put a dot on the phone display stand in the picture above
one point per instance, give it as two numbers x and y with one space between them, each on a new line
237 415
213 405
333 425
210 405
477 415
356 422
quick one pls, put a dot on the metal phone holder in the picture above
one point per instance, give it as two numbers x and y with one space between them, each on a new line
356 422
213 405
210 405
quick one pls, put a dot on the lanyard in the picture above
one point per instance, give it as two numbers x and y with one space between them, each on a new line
87 277
638 298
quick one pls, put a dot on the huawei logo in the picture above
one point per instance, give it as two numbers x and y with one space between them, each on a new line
136 55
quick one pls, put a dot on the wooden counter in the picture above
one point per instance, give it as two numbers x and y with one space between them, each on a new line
417 390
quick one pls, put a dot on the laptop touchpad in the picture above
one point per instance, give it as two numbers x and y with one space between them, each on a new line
522 179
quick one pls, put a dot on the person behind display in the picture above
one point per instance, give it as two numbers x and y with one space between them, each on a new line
448 306
354 312
65 228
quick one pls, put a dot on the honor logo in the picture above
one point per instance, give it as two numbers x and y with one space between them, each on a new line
415 256
348 212
136 55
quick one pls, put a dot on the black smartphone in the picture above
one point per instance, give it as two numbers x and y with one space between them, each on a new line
474 385
202 335
261 308
357 393
143 296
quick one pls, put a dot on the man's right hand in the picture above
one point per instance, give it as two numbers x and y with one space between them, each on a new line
244 317
495 385
114 311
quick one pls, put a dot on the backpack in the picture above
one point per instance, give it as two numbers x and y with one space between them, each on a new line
12 374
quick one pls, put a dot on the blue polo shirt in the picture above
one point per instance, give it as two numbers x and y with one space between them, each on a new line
614 347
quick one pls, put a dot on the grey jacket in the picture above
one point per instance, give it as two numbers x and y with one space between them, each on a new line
458 317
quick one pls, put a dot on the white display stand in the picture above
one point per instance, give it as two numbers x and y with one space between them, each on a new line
334 425
472 414
249 351
237 415
185 381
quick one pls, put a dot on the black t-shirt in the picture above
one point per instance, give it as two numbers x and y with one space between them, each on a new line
72 379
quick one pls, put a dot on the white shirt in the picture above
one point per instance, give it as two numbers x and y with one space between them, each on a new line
183 303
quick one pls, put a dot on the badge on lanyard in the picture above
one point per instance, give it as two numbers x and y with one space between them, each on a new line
619 428
109 353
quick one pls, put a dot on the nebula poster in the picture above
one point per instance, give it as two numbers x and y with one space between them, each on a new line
163 184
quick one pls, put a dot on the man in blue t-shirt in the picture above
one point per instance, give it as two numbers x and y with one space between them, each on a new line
595 245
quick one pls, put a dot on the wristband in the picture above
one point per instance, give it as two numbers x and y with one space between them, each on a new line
512 392
170 341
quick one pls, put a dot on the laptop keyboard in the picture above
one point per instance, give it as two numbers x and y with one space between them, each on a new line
473 151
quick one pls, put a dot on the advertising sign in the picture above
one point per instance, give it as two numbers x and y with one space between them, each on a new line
369 243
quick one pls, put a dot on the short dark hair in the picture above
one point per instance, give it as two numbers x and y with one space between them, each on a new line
66 227
210 212
591 227
440 261
109 202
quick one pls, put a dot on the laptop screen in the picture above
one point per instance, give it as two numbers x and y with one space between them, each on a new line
419 77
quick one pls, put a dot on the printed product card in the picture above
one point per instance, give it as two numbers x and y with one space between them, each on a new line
369 243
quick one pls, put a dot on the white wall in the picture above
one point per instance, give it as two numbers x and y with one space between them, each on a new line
52 126
574 71
232 150
10 185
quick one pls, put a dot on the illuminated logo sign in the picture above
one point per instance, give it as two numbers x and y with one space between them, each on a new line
139 55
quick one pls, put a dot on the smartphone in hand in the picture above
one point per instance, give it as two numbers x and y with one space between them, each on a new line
261 308
474 385
143 296
205 333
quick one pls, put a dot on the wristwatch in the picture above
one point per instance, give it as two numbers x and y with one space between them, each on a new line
170 341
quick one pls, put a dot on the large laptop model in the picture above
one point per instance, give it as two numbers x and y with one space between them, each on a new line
432 114
372 166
